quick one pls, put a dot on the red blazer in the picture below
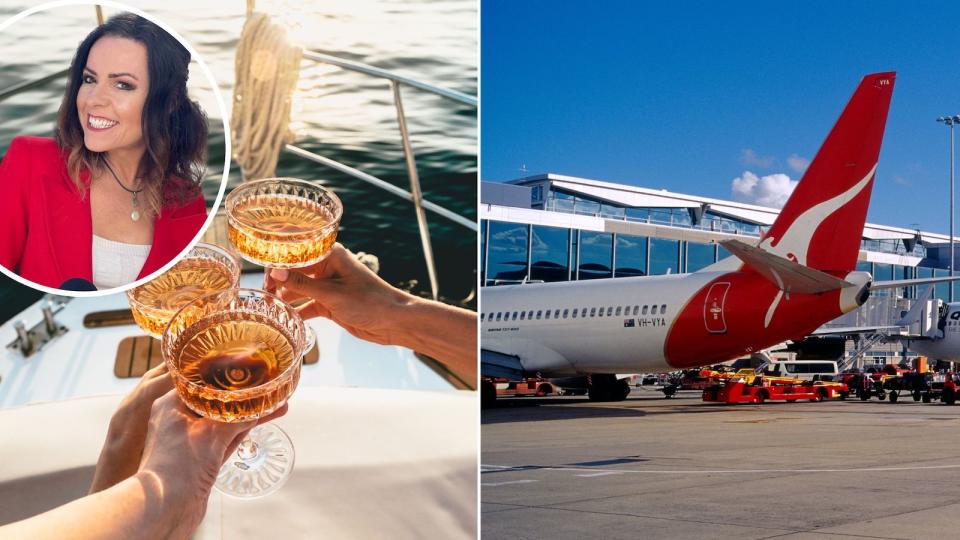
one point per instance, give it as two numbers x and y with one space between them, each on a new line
46 232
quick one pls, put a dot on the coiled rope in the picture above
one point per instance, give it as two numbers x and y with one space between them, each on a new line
267 69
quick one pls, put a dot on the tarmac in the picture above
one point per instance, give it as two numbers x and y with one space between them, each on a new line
649 467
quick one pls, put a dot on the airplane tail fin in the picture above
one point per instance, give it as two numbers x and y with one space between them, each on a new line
822 223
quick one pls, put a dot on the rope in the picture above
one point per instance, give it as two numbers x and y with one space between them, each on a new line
267 68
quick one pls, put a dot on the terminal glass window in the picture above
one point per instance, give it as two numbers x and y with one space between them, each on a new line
560 201
637 214
942 290
596 255
864 266
699 256
664 256
631 256
483 250
507 252
612 211
549 254
587 206
722 253
882 272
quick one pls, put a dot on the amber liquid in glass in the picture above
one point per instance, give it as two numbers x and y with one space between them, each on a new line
160 299
282 231
235 352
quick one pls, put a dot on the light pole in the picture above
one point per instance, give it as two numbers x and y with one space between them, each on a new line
950 121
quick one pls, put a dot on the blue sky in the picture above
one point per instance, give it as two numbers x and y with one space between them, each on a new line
689 96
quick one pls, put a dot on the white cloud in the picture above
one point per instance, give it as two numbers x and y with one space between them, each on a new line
771 190
750 158
798 163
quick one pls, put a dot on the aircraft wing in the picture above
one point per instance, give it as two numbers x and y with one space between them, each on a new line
848 330
787 275
494 364
908 319
898 283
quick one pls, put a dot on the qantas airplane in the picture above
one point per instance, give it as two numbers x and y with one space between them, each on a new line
937 322
800 276
940 342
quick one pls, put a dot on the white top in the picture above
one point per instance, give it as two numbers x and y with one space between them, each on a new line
116 263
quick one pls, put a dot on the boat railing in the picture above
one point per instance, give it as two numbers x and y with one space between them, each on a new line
415 195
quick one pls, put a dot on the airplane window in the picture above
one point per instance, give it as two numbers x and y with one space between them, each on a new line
574 313
547 314
583 313
530 315
644 310
481 317
601 312
636 310
663 309
567 311
593 311
617 313
523 315
539 314
498 315
609 311
556 314
515 315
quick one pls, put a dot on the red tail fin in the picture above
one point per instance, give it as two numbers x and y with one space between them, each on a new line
822 222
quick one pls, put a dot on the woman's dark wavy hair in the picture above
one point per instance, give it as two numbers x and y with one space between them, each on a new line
174 128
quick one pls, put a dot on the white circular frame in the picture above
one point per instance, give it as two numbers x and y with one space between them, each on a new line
226 138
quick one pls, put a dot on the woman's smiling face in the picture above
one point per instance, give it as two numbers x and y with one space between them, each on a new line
112 94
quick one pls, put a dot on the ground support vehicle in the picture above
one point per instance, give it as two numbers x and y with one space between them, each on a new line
914 384
532 386
696 379
944 387
866 385
759 389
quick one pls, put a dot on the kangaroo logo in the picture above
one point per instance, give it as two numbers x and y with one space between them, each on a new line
796 241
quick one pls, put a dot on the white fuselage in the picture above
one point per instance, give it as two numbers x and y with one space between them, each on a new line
594 343
945 346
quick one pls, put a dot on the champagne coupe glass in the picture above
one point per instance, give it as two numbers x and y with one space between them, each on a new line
235 355
206 268
283 223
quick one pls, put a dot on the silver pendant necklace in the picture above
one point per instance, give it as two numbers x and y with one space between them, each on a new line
135 215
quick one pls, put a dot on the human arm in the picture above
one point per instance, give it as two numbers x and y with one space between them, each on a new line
348 293
127 432
165 498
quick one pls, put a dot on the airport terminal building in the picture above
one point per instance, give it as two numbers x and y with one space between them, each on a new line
551 227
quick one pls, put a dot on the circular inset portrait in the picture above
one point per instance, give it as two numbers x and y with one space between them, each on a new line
102 185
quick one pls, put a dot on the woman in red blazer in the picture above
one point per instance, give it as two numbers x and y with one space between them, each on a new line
116 194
